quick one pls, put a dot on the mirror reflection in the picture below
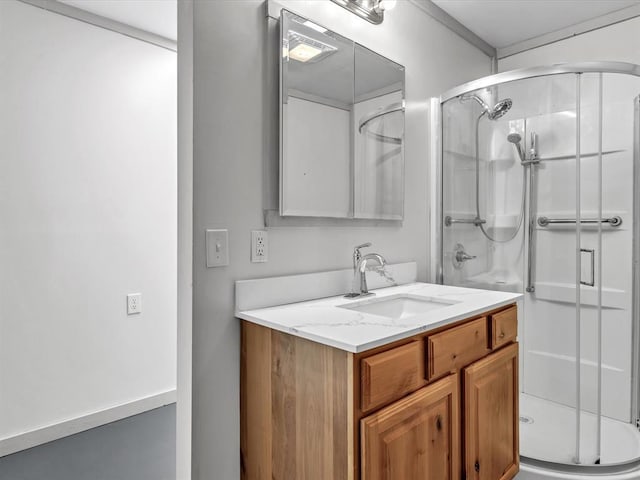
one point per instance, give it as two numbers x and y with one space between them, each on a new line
342 126
378 113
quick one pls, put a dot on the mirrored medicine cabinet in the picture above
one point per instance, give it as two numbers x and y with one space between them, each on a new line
341 126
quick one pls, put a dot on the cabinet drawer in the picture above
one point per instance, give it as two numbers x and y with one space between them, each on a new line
457 347
504 327
390 375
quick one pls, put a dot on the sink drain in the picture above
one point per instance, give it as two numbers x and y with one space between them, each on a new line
525 419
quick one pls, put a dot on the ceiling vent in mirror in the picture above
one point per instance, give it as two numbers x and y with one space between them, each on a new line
370 10
306 49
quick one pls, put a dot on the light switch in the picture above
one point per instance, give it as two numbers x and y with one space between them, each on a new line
217 245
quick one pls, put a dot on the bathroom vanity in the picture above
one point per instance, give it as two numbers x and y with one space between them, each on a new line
435 397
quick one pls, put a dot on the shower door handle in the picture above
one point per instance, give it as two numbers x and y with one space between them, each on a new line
591 252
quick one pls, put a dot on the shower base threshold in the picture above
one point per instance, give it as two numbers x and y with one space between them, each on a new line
547 432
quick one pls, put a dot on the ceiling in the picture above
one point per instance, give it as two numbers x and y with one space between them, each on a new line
502 23
155 16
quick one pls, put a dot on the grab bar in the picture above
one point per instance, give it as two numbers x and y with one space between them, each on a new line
613 221
448 221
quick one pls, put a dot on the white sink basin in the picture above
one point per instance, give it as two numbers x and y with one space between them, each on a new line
398 306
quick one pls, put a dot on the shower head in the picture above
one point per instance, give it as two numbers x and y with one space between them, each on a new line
493 113
500 108
516 138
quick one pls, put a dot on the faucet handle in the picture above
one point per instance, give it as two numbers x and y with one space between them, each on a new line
357 255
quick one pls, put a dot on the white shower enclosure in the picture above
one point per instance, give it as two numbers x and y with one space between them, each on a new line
557 221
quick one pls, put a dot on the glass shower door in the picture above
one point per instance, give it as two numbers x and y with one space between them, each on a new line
526 222
562 379
561 386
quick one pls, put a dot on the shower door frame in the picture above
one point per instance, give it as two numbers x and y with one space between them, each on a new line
436 246
635 366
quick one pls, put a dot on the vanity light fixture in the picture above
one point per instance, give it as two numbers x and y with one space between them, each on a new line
370 10
304 49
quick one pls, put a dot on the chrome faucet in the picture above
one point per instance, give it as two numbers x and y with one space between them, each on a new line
360 265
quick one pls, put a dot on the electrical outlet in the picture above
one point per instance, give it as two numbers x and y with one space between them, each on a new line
134 303
259 246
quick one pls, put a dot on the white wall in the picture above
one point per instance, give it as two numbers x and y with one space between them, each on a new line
618 42
87 215
235 134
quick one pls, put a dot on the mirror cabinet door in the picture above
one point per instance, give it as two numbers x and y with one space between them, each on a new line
378 113
317 98
341 126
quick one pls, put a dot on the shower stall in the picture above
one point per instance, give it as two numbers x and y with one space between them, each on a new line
538 192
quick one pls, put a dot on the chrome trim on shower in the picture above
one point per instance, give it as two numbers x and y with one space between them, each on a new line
524 73
531 244
584 471
436 195
530 162
599 267
635 294
578 254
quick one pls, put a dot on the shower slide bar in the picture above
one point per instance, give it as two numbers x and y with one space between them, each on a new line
613 221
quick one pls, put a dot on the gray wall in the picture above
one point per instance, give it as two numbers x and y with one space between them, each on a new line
185 238
235 115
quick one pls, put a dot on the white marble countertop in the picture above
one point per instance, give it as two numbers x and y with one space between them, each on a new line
324 322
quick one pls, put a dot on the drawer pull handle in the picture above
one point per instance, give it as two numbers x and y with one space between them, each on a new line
501 335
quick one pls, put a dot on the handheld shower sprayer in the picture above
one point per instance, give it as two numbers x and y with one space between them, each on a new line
516 139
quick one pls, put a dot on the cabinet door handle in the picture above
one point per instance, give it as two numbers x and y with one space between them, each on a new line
439 422
501 335
477 466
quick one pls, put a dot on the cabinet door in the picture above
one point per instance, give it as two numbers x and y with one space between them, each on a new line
416 437
491 416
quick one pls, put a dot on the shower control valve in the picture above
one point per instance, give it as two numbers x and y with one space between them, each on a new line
460 256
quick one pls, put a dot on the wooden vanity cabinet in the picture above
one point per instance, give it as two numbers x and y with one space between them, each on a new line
442 405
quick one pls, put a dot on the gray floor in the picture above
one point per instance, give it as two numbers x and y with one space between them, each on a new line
142 447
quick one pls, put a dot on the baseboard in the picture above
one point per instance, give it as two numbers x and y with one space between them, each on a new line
49 433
